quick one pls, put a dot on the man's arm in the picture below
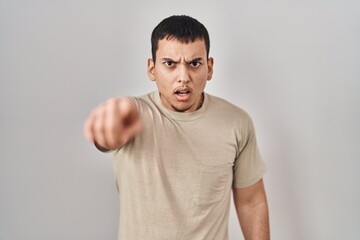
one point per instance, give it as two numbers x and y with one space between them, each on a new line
252 210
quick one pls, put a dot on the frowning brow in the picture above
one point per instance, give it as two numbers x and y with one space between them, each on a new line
169 60
199 59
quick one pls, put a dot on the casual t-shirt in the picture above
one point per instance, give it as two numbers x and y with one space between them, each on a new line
175 178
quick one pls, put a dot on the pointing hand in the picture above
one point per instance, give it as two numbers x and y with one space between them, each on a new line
113 123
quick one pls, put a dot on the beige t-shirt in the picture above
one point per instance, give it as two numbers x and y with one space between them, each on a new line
175 178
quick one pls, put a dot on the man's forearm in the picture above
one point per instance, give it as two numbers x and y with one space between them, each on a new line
252 210
254 221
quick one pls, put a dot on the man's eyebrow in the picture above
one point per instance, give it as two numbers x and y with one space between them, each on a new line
169 60
198 59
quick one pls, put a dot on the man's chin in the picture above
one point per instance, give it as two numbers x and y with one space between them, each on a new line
182 109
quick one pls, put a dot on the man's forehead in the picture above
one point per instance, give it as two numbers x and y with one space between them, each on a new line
173 48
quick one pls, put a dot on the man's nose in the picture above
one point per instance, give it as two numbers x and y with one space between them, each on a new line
183 75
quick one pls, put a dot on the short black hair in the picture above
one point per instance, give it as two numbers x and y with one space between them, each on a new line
182 28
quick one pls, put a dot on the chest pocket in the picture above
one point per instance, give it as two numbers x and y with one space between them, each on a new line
214 181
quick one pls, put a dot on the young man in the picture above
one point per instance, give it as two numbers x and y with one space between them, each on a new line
178 152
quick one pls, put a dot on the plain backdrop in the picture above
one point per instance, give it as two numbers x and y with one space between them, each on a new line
293 65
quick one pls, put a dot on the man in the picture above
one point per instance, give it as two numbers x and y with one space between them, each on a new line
178 152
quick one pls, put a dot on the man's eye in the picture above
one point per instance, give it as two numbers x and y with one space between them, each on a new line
195 64
169 63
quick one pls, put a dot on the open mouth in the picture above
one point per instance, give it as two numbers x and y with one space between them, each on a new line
182 91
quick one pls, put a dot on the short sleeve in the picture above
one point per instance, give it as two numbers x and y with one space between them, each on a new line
249 166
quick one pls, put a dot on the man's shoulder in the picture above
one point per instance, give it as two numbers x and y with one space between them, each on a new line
146 99
149 103
146 96
223 106
229 114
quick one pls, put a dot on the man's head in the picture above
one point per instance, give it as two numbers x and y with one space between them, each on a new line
180 45
185 29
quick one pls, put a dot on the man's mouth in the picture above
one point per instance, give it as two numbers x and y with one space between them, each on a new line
183 91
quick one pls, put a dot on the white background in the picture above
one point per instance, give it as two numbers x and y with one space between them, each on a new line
293 65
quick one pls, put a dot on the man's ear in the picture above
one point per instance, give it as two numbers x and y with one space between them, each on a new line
210 63
151 69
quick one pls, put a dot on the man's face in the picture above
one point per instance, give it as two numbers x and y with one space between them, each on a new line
180 72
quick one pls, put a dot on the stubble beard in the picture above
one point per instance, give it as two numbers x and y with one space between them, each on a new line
186 109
